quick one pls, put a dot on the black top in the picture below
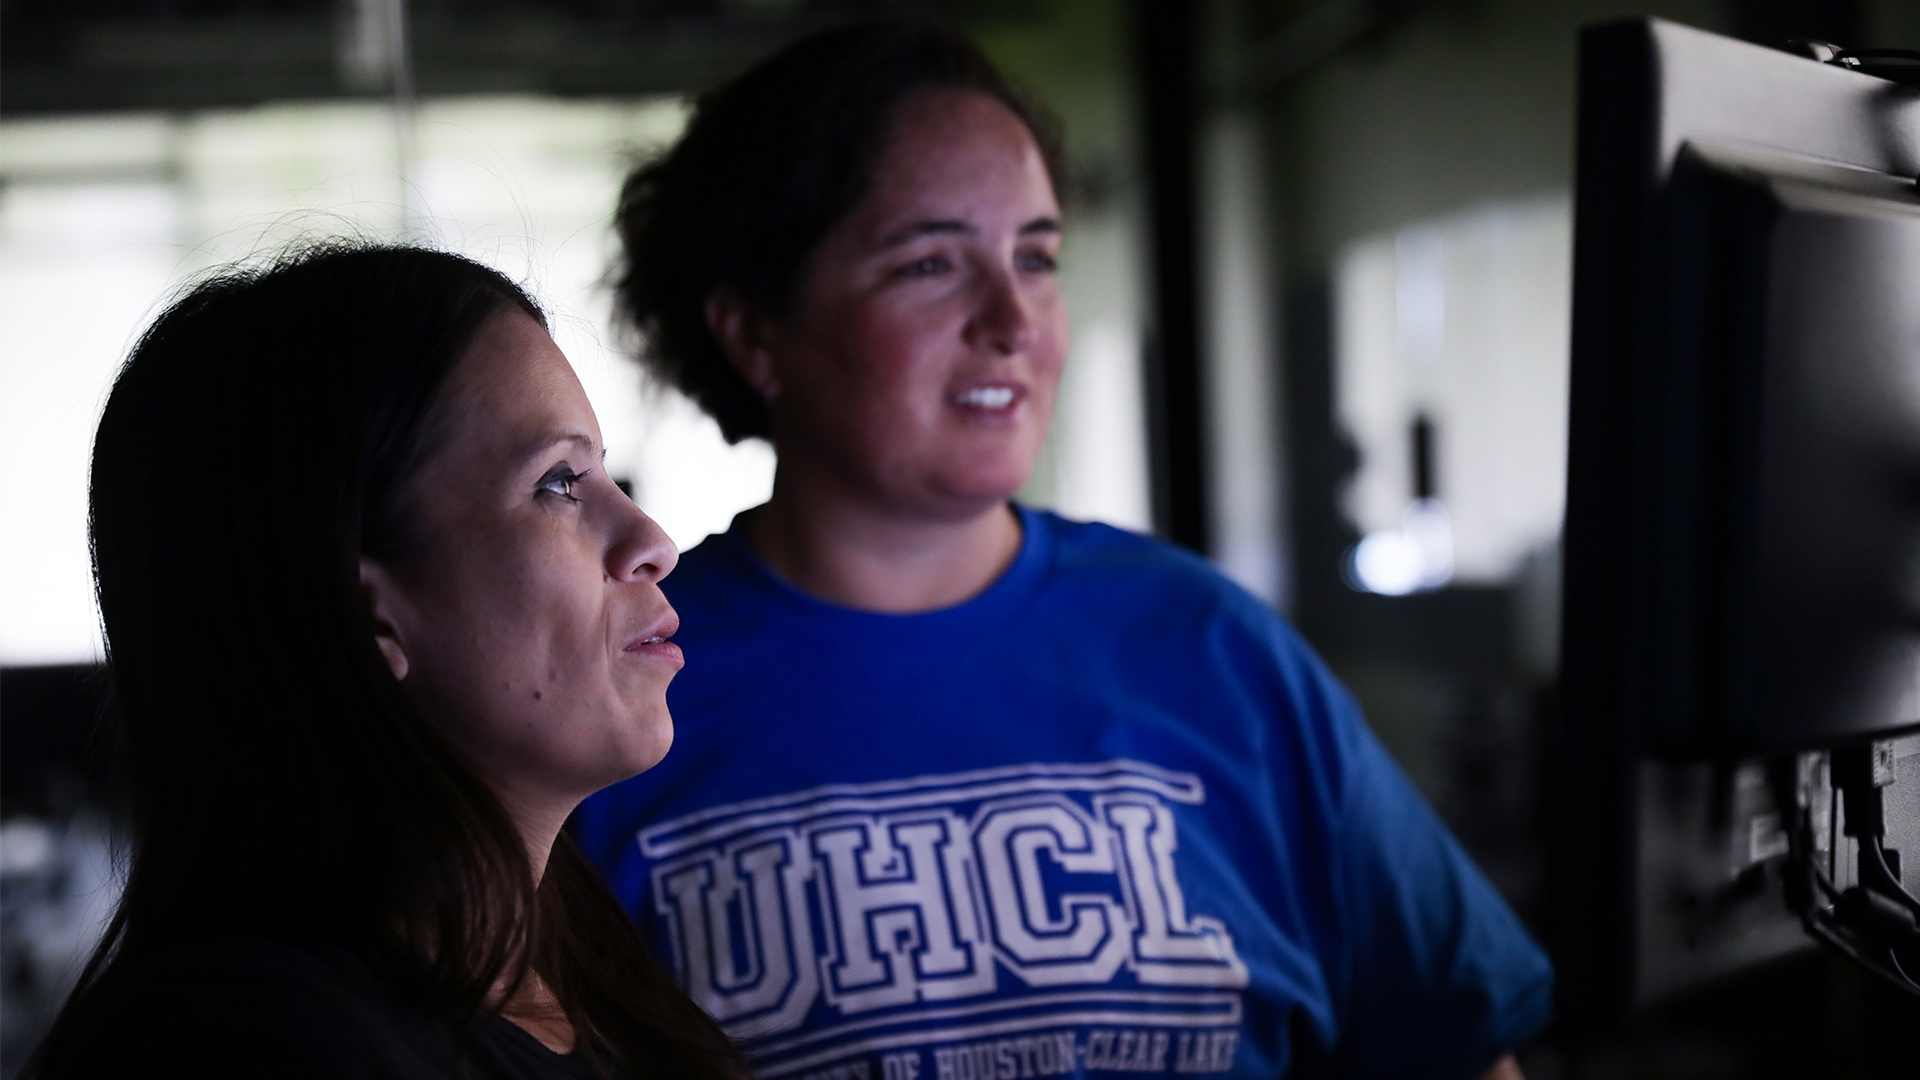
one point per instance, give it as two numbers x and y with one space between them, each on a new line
240 1006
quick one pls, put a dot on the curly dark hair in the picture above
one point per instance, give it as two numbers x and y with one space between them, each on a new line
769 163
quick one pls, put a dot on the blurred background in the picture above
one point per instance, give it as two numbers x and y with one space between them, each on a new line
1318 265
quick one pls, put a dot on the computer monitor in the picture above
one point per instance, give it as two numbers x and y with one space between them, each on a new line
1740 683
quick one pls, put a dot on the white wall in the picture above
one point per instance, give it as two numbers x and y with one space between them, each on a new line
100 217
1094 466
1239 300
1464 318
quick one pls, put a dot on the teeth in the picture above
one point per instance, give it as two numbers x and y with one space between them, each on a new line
653 640
988 397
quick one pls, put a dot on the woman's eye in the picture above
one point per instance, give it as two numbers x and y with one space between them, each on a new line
560 480
927 267
1038 262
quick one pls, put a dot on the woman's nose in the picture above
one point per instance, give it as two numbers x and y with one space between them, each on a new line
1004 321
641 549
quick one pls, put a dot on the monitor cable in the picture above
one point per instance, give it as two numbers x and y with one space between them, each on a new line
1875 923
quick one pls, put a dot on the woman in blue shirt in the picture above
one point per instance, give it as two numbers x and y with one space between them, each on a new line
962 789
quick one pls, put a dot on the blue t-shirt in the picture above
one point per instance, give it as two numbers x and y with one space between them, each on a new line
1109 816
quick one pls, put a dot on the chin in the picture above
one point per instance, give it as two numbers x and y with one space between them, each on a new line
654 750
958 505
991 494
643 748
990 482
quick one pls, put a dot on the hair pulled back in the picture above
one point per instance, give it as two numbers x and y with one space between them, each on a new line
768 164
258 441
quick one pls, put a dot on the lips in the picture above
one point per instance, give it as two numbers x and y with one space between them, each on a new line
655 640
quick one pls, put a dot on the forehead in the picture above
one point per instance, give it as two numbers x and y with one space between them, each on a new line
958 150
514 379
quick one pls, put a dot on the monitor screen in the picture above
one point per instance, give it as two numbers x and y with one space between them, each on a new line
1736 767
1784 480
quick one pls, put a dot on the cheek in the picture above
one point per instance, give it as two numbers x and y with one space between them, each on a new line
516 659
878 368
1049 354
1050 317
518 620
508 590
528 685
1047 357
896 347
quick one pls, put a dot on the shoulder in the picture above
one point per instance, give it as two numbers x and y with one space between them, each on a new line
238 1005
1143 585
1174 616
711 556
1093 554
1095 544
715 574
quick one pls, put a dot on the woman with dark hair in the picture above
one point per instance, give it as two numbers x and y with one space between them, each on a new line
963 789
376 621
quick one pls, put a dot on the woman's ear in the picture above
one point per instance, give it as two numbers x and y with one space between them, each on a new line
742 337
382 595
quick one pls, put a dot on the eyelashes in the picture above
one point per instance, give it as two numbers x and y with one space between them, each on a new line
929 266
1043 262
1040 261
560 481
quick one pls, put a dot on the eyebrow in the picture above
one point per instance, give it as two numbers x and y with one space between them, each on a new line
955 226
918 229
534 446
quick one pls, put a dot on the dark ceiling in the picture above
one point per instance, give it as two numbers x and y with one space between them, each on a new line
98 55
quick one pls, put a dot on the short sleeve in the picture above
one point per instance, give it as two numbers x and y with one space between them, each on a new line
1441 979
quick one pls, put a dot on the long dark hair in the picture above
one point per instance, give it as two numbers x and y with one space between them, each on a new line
769 163
257 442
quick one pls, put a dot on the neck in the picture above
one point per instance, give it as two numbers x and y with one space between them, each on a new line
533 1008
538 822
848 552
